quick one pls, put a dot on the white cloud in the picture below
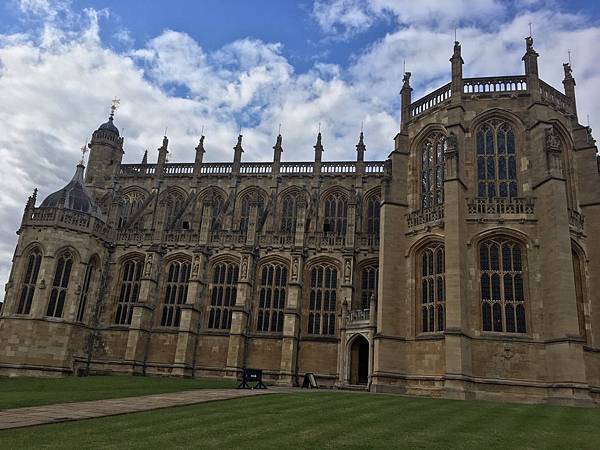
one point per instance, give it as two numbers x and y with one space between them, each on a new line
59 77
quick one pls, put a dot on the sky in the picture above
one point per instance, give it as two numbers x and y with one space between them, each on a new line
217 67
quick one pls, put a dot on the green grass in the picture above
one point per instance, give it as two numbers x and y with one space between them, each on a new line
327 420
20 392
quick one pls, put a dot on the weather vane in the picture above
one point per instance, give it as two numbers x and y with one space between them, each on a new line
84 150
114 105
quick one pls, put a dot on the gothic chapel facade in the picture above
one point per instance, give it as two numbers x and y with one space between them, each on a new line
463 266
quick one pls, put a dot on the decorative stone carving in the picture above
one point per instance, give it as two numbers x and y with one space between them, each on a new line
552 147
295 267
148 264
244 271
196 266
347 270
451 156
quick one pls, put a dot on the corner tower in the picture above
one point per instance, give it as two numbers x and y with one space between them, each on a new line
106 153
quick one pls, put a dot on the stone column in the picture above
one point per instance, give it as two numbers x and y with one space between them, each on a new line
74 291
394 310
457 346
345 295
291 323
351 228
343 378
207 217
141 321
239 320
560 327
300 223
191 313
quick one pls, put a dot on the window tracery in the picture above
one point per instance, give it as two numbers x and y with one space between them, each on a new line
502 286
129 291
34 260
496 160
60 285
178 277
322 301
87 282
368 285
432 171
271 300
433 289
336 214
223 295
131 203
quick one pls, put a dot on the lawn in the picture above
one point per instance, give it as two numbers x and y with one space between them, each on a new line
20 392
327 420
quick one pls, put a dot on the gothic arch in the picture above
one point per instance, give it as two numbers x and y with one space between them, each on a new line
498 113
177 256
423 242
68 248
321 259
273 259
32 245
500 232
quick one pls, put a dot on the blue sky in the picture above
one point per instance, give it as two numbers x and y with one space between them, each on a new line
219 65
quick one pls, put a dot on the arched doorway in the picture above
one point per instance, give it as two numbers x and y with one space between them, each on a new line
359 360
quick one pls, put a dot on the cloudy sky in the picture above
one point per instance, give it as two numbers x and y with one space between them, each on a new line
219 65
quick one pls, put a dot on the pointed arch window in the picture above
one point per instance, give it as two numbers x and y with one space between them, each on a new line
271 298
289 210
178 277
129 292
373 215
60 284
433 289
368 285
217 203
322 302
34 260
245 208
173 205
131 203
223 295
336 214
90 271
496 160
432 171
502 286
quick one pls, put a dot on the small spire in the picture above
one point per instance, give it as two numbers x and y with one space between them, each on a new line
568 71
361 148
406 80
84 150
145 157
318 144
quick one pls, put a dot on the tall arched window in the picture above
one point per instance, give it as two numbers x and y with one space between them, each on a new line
223 294
131 203
433 289
368 285
432 171
578 272
373 215
34 260
173 204
245 207
496 160
289 209
322 303
502 287
60 285
178 277
90 271
271 298
217 202
129 292
336 214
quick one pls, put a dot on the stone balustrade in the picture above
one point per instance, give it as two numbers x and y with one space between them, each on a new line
484 85
67 218
358 317
427 216
325 240
432 99
555 97
501 206
276 239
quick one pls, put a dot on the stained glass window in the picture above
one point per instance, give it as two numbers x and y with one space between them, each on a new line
496 160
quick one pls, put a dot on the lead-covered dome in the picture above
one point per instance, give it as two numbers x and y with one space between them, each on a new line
74 196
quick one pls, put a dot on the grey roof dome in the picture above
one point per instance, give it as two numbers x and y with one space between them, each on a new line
110 126
73 196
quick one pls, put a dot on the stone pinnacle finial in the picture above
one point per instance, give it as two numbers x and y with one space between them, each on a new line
568 70
406 79
278 142
200 147
145 157
238 146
